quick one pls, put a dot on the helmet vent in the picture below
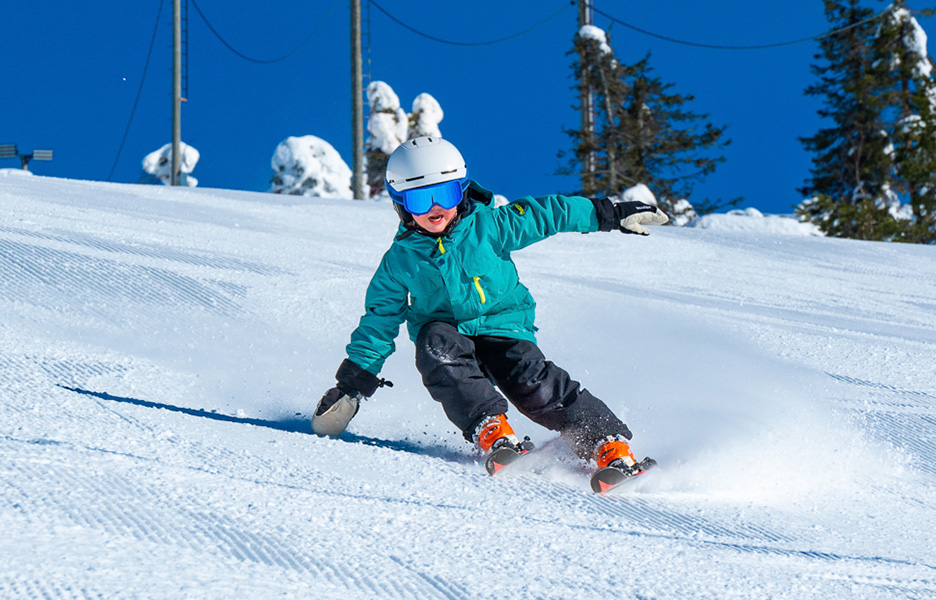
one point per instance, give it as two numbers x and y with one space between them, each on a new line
425 161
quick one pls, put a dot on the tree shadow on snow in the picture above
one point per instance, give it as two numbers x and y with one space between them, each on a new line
296 425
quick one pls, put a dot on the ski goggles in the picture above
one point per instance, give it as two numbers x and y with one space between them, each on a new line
419 201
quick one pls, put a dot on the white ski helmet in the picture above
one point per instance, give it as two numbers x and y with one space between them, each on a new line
423 161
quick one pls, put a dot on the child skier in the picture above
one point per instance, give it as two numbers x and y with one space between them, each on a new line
449 275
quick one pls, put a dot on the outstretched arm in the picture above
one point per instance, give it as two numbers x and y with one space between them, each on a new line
530 220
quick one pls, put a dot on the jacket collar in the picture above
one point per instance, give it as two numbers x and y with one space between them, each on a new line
478 197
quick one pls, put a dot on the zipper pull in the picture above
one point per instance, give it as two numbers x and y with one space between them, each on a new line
477 282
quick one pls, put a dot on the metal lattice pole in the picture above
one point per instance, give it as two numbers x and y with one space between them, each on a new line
357 104
176 90
587 101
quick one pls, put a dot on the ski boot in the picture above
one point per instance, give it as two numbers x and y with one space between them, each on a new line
497 439
616 464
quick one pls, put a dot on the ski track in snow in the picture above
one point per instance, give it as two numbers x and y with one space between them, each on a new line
161 351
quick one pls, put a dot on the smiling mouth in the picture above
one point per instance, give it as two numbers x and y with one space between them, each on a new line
436 218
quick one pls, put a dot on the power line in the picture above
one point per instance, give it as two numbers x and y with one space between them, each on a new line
149 53
724 47
257 60
454 43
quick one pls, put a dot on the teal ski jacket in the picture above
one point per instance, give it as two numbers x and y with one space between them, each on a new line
464 276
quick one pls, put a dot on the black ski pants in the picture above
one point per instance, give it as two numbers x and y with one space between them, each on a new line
461 371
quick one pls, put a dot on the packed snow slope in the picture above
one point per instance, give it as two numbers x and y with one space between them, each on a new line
161 351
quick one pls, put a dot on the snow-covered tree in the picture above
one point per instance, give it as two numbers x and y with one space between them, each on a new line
310 166
643 134
910 99
158 164
425 118
389 126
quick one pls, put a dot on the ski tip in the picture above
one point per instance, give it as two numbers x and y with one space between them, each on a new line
496 467
498 460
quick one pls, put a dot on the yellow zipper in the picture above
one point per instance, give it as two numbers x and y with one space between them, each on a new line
441 247
477 282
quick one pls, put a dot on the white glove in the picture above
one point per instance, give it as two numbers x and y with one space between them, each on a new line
334 411
634 215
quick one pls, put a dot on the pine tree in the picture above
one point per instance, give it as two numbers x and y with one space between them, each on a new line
910 97
643 132
668 143
850 188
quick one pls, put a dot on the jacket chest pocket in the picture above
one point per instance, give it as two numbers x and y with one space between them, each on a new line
491 279
426 280
427 290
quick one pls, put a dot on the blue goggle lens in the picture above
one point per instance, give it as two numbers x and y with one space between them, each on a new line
419 201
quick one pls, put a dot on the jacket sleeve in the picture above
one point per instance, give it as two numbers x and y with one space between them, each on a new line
385 306
530 220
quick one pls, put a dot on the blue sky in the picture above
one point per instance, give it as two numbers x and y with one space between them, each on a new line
70 74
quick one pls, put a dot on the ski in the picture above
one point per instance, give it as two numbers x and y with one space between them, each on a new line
606 479
506 455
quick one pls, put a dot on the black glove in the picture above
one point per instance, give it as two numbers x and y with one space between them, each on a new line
351 377
627 217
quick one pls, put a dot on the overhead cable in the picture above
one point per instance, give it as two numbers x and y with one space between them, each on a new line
723 47
258 60
149 53
454 43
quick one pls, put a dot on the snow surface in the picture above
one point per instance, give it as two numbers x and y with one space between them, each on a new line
753 220
784 382
15 172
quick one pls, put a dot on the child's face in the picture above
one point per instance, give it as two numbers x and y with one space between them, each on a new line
437 219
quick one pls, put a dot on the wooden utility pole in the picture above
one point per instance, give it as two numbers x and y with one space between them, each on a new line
587 102
176 90
357 104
